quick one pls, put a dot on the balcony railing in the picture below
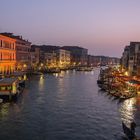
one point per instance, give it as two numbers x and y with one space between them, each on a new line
1 60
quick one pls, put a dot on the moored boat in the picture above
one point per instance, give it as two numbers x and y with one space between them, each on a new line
130 132
53 70
9 87
84 69
37 73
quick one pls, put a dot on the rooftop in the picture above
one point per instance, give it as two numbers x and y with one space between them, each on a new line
11 35
7 81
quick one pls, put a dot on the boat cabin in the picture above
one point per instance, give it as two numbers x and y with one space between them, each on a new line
9 86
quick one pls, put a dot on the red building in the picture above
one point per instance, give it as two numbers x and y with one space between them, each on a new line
7 55
23 60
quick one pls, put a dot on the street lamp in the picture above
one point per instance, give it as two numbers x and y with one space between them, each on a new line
41 64
126 73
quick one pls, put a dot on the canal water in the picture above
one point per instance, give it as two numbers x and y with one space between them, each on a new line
67 106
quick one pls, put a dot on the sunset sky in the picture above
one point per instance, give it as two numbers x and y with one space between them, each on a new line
102 26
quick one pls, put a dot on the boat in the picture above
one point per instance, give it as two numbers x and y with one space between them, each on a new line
37 73
103 87
53 70
84 69
112 92
130 132
22 83
126 97
100 82
127 94
9 87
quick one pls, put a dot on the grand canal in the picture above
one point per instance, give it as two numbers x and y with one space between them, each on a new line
68 106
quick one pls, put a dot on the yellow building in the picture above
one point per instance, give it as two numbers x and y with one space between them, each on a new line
7 55
63 58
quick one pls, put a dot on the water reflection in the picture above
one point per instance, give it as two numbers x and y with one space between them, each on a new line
72 108
41 82
5 109
127 111
25 77
92 72
67 71
59 75
63 85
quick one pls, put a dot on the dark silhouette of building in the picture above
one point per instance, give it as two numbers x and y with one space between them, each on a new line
45 48
79 55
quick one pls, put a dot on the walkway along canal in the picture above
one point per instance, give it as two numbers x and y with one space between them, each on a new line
67 106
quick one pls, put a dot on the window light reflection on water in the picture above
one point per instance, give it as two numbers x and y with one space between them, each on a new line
41 82
127 111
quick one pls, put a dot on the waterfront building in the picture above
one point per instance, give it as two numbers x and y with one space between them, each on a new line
23 60
105 60
134 58
46 48
131 58
63 58
50 59
53 56
113 61
93 60
125 58
90 61
35 58
102 60
47 55
79 55
7 55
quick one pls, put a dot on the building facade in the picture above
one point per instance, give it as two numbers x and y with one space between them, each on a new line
93 61
7 55
35 58
51 56
134 56
23 54
23 60
125 58
102 60
63 58
79 55
50 59
131 58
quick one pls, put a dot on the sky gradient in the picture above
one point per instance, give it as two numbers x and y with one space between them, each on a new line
102 26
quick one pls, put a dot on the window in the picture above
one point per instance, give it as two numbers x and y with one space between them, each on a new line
0 43
9 88
13 56
3 88
1 56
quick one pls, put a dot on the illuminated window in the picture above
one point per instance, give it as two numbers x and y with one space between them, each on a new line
3 88
9 88
1 43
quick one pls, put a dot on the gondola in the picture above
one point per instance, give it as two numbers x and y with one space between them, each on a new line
130 132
